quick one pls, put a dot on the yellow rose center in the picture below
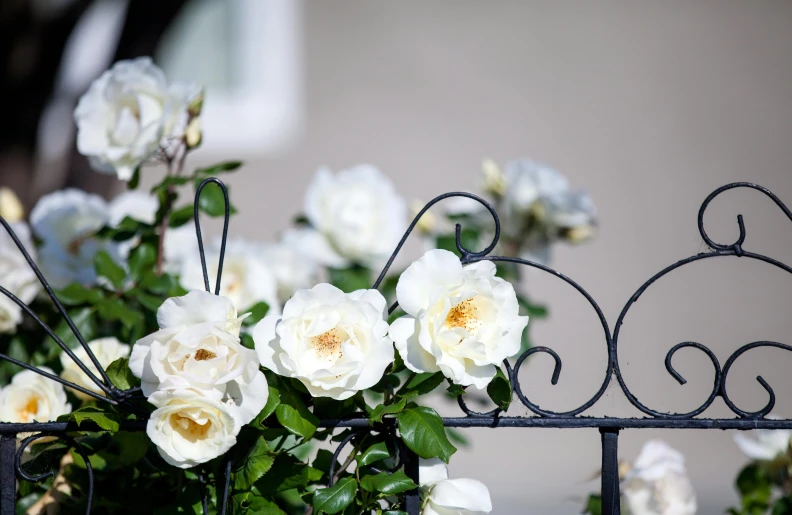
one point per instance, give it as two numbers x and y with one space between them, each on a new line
29 410
328 344
203 355
463 316
189 428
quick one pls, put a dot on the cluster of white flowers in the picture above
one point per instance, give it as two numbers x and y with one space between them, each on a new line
657 483
18 278
205 384
443 496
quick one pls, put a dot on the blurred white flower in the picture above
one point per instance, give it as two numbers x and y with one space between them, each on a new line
198 347
180 244
190 427
32 397
335 343
128 113
139 206
66 222
494 179
310 242
10 206
766 444
658 483
16 276
293 270
443 496
359 212
461 320
106 350
247 279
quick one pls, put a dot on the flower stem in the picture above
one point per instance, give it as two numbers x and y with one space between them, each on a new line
175 167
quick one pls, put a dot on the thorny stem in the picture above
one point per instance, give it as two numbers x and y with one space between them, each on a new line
175 167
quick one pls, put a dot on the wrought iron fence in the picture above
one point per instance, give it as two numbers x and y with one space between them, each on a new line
15 437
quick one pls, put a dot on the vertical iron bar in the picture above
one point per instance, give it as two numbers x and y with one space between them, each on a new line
7 474
610 471
222 495
412 499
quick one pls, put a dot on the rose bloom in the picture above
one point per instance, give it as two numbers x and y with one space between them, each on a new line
292 269
765 444
335 343
128 113
198 347
16 276
31 397
190 427
461 320
106 350
66 222
443 496
359 213
658 483
247 278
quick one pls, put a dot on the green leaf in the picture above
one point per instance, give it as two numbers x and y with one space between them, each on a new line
390 409
594 505
228 166
257 312
422 430
377 452
150 302
247 503
291 419
273 400
142 258
120 374
181 216
752 478
135 180
388 483
350 279
334 499
106 267
286 473
104 419
500 391
212 201
421 384
115 309
76 294
257 463
782 506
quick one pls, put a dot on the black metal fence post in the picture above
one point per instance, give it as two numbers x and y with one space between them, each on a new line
412 499
7 474
610 471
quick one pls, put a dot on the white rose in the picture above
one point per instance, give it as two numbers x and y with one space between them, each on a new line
127 114
293 270
190 427
32 397
335 343
106 350
443 496
658 483
139 206
767 444
359 212
16 276
247 279
462 321
66 222
180 244
11 208
198 347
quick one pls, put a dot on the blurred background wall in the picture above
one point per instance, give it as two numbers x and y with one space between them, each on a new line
648 105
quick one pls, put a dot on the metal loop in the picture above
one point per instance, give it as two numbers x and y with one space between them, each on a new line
224 238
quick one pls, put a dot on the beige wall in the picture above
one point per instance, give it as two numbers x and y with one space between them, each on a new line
648 105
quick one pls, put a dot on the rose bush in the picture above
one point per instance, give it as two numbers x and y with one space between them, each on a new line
232 387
